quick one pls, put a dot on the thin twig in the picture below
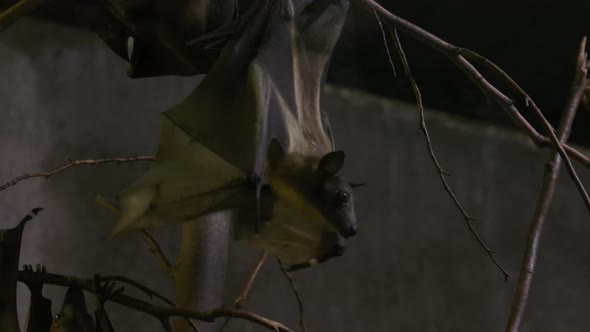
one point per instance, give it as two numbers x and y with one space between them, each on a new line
508 104
17 11
385 43
454 54
73 163
549 183
155 249
241 299
291 281
441 173
159 312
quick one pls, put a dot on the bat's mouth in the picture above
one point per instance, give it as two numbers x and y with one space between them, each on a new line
349 232
337 250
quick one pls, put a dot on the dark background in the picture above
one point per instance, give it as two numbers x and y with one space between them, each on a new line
533 41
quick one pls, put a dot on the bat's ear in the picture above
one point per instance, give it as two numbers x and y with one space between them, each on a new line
331 163
275 153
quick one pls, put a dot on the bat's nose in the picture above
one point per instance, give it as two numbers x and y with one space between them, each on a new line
350 231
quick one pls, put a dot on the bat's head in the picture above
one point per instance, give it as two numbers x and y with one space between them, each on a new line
335 196
314 186
73 315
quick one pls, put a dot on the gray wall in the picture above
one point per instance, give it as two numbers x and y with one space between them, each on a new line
412 267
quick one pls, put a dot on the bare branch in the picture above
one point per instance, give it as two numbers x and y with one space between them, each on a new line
73 163
441 173
295 292
454 54
385 44
241 299
148 291
161 313
17 11
549 182
155 249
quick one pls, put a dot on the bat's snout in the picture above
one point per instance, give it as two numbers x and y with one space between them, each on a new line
350 231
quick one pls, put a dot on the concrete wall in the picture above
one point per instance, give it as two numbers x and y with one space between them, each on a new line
412 267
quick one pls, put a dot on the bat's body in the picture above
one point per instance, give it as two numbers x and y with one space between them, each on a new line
157 46
39 317
73 316
252 133
288 233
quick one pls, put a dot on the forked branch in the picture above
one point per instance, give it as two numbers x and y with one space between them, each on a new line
160 312
549 183
456 55
241 299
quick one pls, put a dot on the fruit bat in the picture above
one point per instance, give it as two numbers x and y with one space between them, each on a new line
152 35
102 293
10 243
251 137
39 317
73 316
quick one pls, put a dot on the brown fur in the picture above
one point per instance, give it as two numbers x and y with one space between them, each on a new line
293 179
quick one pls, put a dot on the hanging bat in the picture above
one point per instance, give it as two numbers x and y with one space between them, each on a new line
251 137
152 35
102 293
73 316
10 244
39 317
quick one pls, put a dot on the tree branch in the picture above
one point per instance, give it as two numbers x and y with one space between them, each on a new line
161 313
155 249
148 291
441 173
241 299
549 183
454 54
291 281
73 163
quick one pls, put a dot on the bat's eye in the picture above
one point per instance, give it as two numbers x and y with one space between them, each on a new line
342 196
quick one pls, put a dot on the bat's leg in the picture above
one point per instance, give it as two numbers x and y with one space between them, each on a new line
258 190
39 317
103 293
256 181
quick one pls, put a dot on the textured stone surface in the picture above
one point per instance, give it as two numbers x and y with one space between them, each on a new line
412 267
